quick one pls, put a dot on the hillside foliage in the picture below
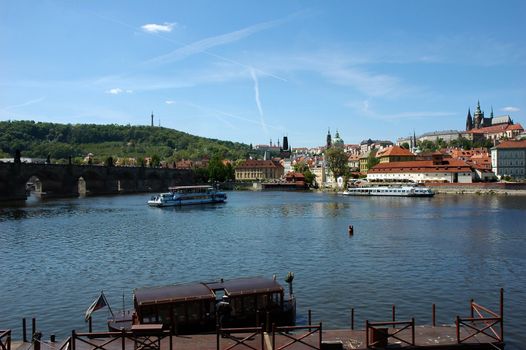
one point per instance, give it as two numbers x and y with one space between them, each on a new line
61 141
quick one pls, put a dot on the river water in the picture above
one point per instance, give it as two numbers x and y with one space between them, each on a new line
56 256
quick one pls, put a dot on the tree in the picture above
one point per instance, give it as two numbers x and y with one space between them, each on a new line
155 161
405 145
216 169
336 161
371 159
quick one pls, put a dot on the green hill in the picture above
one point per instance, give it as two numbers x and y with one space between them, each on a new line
60 141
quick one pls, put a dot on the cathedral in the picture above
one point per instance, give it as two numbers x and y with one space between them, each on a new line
478 120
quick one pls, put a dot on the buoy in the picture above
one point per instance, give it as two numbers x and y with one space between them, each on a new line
351 230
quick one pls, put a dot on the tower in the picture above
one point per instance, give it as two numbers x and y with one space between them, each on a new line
478 117
285 143
152 118
469 121
329 138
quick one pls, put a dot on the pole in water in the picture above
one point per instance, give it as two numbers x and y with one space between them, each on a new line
351 230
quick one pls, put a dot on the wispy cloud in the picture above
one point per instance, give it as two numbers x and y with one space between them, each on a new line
24 104
118 91
258 101
158 28
169 102
510 109
203 45
365 108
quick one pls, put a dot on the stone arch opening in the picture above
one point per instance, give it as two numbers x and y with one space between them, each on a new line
81 183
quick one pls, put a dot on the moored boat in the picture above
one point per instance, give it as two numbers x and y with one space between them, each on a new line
393 191
193 307
187 195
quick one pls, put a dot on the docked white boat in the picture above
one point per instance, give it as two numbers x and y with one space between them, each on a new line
398 191
187 195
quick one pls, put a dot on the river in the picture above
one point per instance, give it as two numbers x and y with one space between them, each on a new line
56 256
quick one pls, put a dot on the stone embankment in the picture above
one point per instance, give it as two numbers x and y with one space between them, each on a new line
480 188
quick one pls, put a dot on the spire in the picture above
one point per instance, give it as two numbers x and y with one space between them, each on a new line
152 118
469 121
491 114
329 138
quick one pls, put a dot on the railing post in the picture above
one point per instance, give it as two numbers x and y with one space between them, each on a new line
434 316
394 315
24 331
502 314
123 342
72 340
352 318
268 321
90 325
37 336
8 340
471 307
171 340
257 318
33 326
273 336
320 337
458 329
413 331
366 333
217 337
310 317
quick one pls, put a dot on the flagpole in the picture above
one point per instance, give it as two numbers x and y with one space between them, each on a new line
106 300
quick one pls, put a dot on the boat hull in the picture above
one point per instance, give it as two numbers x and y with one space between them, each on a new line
390 192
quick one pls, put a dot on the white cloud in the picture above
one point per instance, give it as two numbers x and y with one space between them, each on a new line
169 102
118 91
510 109
158 28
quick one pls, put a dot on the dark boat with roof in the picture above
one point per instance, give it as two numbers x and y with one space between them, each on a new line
190 308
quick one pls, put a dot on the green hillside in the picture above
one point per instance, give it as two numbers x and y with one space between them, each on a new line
60 141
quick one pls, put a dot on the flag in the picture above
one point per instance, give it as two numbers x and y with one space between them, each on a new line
96 305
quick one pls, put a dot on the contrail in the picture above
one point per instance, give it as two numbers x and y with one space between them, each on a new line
30 102
258 102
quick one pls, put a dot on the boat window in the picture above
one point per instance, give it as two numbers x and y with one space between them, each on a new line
249 304
219 294
194 312
262 300
179 313
164 316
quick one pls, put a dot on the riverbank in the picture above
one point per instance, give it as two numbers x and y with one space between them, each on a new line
480 188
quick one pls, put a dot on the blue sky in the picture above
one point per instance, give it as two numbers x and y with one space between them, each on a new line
250 71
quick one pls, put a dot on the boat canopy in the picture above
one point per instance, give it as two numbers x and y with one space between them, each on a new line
205 291
199 187
173 294
246 286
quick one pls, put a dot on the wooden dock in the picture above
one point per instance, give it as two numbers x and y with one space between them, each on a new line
426 337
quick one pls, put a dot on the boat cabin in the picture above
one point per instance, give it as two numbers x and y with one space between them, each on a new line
191 307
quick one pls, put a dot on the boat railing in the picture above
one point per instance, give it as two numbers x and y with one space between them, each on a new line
5 339
377 333
483 321
245 337
291 335
147 339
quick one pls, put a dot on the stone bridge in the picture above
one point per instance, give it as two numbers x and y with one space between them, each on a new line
67 180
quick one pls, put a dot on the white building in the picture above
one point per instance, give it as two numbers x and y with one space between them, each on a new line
509 159
421 171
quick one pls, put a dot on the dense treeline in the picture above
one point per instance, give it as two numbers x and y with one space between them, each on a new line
60 141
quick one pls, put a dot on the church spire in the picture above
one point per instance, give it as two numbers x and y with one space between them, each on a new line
329 138
491 114
469 121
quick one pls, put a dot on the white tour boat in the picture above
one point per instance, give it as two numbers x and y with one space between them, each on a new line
394 191
186 195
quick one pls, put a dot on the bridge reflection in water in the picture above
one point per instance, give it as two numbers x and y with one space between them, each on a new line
68 180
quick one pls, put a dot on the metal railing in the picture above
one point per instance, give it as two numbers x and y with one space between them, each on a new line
248 334
285 331
5 339
482 321
373 329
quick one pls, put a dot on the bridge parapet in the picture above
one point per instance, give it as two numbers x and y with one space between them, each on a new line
67 180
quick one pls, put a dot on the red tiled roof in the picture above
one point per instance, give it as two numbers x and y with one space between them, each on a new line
512 144
496 128
394 151
252 163
422 166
